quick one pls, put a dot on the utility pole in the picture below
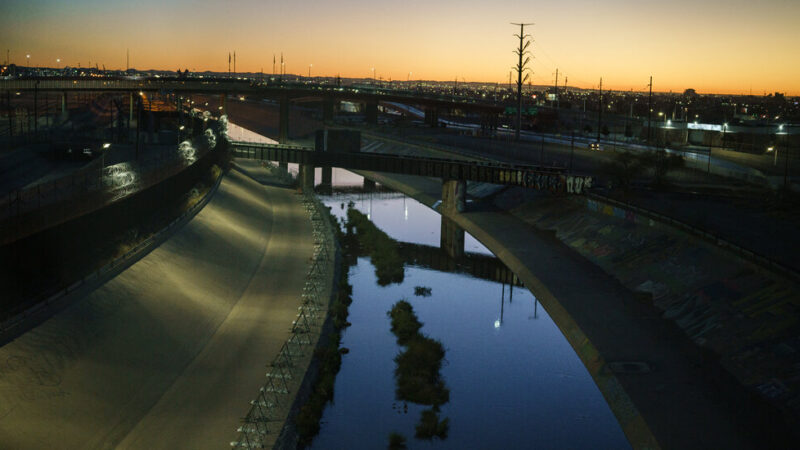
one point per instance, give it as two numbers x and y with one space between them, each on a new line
600 110
234 63
649 107
520 68
273 65
229 64
127 59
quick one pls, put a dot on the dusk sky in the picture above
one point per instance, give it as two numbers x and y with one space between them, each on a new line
732 46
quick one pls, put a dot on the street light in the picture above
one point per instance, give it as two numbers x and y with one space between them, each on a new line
724 129
106 146
786 157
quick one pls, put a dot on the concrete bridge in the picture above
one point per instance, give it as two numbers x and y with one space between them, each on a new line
284 93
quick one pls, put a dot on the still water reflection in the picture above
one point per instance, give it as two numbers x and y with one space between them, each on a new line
514 380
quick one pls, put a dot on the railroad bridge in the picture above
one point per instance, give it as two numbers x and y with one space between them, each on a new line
454 174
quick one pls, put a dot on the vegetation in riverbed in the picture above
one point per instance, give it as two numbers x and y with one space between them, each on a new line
422 291
417 372
381 248
430 426
329 360
397 441
404 322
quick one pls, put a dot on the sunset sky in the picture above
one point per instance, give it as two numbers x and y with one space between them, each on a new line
715 46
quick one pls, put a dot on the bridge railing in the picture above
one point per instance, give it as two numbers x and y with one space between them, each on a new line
552 179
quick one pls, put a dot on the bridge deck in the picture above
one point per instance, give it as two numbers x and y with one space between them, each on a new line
553 179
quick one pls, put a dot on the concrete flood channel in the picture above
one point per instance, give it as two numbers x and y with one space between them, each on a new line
514 381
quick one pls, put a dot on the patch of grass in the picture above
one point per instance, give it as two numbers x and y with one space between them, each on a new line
417 372
417 369
381 248
430 426
404 322
422 291
397 441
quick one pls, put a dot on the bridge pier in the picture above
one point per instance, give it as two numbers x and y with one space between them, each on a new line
306 177
283 120
452 238
369 185
328 110
454 194
432 117
327 180
371 113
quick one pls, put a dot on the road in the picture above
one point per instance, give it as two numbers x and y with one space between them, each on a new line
169 353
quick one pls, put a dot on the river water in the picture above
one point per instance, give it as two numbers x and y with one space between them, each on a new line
514 380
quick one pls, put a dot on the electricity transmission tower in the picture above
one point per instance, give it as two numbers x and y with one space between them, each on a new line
521 52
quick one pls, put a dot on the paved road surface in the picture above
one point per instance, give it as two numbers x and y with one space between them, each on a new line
169 353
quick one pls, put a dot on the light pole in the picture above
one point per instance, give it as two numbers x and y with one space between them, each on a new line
724 129
309 70
373 75
786 156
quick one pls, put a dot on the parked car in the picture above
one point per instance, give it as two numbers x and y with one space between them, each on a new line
595 146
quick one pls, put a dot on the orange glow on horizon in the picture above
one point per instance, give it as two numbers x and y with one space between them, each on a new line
712 48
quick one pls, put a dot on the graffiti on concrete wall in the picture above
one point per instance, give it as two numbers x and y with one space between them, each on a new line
557 184
577 185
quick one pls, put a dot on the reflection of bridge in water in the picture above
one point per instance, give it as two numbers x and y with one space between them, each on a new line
478 265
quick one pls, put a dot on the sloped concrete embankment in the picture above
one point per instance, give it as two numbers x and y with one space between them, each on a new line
168 353
729 306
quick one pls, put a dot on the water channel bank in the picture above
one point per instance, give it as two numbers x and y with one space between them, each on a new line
678 394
